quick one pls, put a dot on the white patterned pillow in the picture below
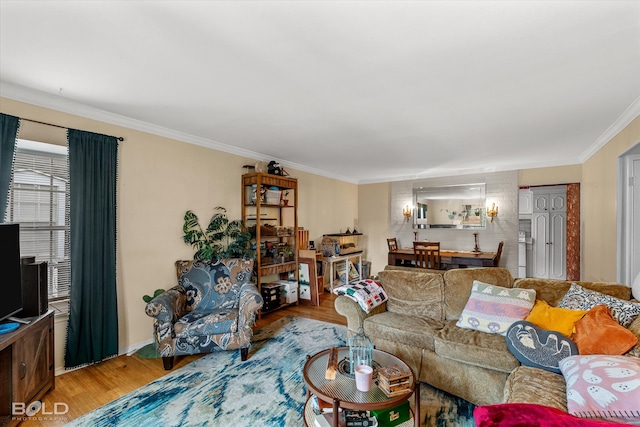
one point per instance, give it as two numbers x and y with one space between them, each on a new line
600 386
493 309
579 298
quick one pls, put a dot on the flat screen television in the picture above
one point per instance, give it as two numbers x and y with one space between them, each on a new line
10 271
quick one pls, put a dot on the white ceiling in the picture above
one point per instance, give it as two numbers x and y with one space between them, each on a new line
363 91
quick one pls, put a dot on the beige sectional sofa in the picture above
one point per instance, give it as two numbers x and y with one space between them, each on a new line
418 323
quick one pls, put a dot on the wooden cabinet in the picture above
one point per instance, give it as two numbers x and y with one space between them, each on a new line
26 365
549 232
270 214
525 203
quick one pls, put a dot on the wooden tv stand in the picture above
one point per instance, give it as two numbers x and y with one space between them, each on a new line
26 365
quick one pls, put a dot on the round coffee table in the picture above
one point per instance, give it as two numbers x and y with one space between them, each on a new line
342 392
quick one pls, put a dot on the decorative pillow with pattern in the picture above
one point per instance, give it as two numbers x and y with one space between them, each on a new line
579 298
601 386
537 347
492 308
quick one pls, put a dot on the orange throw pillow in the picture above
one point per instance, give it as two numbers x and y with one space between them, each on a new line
599 333
553 318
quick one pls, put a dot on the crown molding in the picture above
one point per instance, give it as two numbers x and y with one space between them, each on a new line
69 106
629 115
66 105
459 172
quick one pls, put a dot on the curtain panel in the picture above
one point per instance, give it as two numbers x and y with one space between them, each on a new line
8 132
92 334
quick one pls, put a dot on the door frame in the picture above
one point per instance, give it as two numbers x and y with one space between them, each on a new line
626 220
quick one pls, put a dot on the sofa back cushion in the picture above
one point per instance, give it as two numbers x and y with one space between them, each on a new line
458 284
414 293
213 284
552 291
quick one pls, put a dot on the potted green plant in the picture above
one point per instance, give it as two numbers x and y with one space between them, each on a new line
221 239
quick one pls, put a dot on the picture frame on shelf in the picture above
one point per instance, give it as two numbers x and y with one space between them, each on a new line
308 277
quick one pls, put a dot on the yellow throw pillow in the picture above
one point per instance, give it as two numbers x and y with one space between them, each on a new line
553 318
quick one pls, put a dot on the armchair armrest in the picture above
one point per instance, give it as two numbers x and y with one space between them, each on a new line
169 306
248 305
354 313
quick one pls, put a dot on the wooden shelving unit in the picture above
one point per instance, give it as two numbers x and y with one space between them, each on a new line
274 226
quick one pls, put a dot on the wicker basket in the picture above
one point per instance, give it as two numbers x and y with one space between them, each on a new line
273 197
328 246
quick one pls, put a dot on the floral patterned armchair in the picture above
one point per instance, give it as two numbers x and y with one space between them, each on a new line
213 307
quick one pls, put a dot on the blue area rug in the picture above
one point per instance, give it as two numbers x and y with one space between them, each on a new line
266 390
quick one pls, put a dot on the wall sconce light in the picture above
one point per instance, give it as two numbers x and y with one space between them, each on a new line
493 211
407 213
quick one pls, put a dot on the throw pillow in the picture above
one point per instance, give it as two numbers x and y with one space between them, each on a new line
579 298
537 347
598 333
530 415
492 308
600 386
367 293
554 318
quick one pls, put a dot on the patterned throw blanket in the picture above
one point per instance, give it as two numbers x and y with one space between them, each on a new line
367 293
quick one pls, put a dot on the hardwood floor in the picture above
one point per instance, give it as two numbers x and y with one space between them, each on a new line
86 389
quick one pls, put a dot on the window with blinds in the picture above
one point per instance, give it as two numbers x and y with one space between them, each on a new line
39 202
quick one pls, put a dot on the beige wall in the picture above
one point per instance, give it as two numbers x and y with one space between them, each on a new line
599 205
159 179
373 208
550 176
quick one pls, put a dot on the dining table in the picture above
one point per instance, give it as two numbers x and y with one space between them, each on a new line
447 256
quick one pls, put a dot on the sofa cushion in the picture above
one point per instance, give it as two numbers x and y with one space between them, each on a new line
532 385
605 387
552 291
414 293
403 328
554 318
598 333
537 347
475 348
493 309
579 298
635 329
458 283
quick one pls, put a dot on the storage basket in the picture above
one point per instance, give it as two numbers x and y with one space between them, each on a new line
273 197
328 246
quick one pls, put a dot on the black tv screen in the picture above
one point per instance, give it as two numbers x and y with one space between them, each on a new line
10 270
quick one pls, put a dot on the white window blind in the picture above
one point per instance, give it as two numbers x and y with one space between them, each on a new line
39 202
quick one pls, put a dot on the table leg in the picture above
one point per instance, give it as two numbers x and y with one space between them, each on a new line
416 422
336 413
330 276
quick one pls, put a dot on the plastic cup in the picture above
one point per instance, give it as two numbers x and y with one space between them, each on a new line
364 376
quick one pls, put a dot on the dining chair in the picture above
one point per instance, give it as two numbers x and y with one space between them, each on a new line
496 260
393 244
427 255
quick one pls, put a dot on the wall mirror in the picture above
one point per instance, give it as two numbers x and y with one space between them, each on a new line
450 206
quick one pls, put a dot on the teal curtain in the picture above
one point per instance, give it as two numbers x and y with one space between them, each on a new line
92 334
8 131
